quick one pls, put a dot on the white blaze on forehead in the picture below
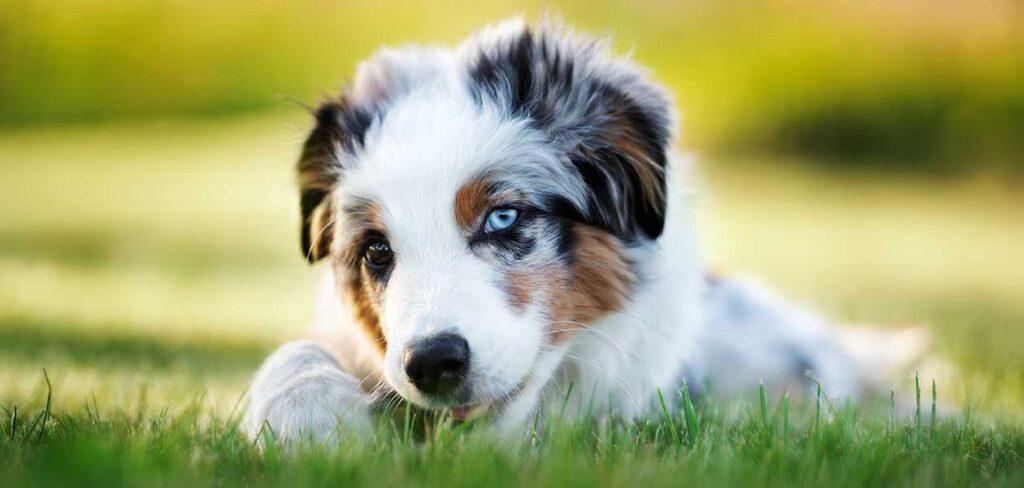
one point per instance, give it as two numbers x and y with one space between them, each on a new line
437 139
428 145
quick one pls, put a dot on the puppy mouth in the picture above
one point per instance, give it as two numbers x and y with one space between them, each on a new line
461 406
464 413
473 411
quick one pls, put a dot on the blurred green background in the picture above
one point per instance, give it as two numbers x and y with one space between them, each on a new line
863 156
933 83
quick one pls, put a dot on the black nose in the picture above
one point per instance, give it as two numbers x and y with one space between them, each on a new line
438 364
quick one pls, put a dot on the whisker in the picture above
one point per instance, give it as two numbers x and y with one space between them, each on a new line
641 321
609 340
610 375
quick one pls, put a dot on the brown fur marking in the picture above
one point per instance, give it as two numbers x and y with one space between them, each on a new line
361 292
364 306
625 140
599 283
602 280
471 202
520 289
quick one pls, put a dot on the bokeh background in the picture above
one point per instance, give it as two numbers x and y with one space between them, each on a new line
866 157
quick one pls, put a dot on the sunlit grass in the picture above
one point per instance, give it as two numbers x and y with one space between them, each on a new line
763 445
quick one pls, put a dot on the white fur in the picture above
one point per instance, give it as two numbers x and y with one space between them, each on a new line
301 394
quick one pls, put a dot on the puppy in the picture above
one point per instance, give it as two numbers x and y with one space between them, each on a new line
504 225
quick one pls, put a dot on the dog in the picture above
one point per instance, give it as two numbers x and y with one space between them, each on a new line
506 225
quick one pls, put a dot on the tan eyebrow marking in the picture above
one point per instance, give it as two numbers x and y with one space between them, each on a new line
475 198
471 201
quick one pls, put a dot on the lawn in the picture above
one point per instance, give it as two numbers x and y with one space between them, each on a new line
146 269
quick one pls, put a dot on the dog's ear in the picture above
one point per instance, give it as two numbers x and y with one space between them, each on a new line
613 123
338 133
340 129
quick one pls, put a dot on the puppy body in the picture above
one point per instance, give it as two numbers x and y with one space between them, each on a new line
504 226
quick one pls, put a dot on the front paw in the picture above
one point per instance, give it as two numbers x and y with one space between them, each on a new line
300 395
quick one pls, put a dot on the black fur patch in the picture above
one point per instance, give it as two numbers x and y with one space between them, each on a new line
621 137
514 244
565 241
515 247
338 125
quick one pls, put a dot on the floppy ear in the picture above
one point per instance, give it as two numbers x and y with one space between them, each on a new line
613 123
339 134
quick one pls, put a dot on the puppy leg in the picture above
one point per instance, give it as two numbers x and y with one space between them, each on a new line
303 396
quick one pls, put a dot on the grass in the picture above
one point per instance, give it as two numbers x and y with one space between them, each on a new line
763 446
146 269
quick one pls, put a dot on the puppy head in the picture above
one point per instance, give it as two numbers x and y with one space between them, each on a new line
478 205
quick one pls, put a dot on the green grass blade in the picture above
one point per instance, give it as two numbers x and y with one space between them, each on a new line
676 438
934 401
892 410
565 402
690 415
407 425
817 406
14 422
49 405
917 399
763 405
785 418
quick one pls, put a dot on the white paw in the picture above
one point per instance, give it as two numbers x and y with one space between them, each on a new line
300 395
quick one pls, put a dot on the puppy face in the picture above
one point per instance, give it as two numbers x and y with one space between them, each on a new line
478 205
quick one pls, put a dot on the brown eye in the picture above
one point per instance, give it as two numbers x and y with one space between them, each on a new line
378 254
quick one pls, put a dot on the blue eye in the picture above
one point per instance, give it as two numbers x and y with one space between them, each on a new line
501 219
